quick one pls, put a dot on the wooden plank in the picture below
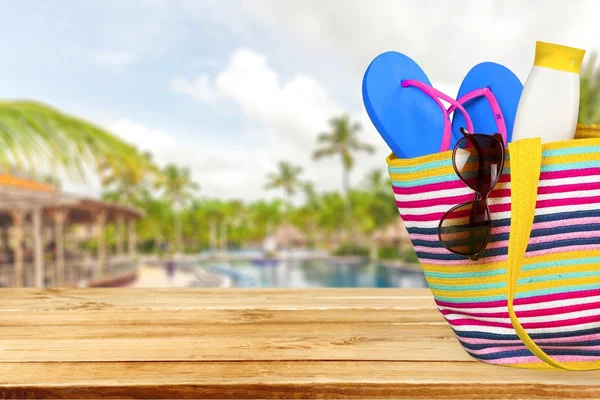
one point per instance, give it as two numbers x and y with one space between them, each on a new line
91 320
215 348
241 299
250 343
289 379
190 341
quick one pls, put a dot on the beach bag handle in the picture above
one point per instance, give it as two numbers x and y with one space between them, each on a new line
525 168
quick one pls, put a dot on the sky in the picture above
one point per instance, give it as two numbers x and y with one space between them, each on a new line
229 88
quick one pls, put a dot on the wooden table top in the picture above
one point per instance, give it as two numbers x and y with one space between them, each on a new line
255 343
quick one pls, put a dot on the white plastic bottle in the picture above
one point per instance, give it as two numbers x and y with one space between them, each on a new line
549 104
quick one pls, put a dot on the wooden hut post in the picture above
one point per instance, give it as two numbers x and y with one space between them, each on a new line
132 238
38 247
5 240
59 217
18 217
120 226
100 224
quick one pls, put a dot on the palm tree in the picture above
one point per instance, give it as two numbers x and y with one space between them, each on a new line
265 214
178 188
286 178
124 184
381 204
376 182
154 226
309 210
214 212
342 140
331 211
34 136
589 98
310 194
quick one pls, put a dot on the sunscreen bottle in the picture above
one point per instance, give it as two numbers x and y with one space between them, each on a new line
549 104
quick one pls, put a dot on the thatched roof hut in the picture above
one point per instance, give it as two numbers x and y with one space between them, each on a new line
289 236
39 238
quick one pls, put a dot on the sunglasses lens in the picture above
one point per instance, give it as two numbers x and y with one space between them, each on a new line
465 228
478 161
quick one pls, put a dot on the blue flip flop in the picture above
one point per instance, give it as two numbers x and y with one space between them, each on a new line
409 121
506 88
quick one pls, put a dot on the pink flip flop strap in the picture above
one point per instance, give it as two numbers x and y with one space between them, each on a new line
436 95
487 93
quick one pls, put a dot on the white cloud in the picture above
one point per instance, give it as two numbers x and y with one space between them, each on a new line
445 38
226 171
326 46
291 113
294 110
143 137
200 88
114 58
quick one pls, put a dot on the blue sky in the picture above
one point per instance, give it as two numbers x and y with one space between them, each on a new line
230 87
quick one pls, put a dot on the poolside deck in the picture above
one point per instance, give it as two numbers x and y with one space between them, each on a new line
153 277
234 343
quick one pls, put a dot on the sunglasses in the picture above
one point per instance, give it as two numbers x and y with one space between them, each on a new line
478 160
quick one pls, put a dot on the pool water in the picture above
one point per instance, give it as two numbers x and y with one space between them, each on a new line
305 274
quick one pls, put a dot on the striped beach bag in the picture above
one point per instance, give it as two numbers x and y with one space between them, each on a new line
533 298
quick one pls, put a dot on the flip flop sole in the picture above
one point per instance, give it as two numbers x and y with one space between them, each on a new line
410 122
505 86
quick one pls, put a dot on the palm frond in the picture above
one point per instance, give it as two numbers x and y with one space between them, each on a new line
324 137
366 147
324 152
31 132
177 184
286 178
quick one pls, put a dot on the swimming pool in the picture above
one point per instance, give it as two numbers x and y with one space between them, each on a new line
305 274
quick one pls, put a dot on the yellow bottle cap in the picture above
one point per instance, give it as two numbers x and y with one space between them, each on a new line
555 56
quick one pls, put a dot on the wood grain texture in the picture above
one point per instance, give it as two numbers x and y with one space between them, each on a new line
234 343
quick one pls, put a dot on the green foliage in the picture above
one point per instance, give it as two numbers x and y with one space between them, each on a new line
125 184
287 178
52 181
589 99
178 189
410 256
147 246
35 136
343 140
38 138
177 184
320 216
90 246
374 203
352 250
389 253
174 214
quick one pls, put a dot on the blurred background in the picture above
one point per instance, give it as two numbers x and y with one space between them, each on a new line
224 143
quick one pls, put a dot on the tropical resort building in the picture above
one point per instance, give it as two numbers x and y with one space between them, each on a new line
50 238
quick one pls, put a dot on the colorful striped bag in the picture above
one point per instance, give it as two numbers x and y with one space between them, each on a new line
533 299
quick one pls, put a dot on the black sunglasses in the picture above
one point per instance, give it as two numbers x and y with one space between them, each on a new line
478 160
